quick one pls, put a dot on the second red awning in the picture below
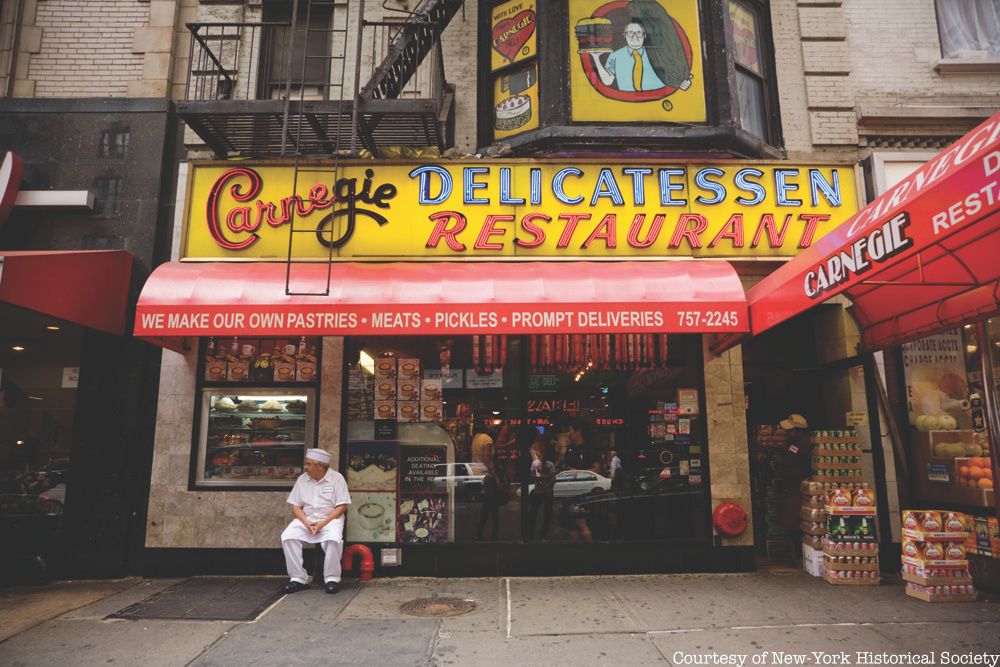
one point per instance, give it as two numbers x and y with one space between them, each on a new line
219 299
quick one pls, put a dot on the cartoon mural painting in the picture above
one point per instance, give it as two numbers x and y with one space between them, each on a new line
636 51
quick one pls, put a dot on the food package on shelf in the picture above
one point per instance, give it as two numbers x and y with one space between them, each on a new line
935 526
838 548
813 527
812 515
936 576
942 593
851 528
934 554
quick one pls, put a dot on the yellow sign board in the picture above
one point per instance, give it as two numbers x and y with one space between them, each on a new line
636 61
513 33
512 208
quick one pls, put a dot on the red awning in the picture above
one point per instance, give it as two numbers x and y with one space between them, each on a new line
923 257
237 299
89 288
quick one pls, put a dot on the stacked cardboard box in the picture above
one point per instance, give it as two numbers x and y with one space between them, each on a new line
934 564
850 547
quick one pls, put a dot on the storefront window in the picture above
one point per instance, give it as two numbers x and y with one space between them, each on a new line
257 406
550 437
39 375
950 445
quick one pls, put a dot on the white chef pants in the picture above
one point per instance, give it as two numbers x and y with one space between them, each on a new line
331 563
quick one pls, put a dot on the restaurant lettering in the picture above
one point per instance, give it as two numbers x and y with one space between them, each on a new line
888 240
515 209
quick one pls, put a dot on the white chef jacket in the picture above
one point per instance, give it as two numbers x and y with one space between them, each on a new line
317 499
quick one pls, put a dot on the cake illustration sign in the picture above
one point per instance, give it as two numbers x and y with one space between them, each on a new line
638 60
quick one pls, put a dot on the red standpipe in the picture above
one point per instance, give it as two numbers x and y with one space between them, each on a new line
367 560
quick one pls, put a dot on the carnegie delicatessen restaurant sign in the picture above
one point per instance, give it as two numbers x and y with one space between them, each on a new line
461 210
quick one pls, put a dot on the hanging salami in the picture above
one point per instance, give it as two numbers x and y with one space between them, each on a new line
650 353
476 355
663 350
503 352
547 344
606 351
488 355
533 353
579 359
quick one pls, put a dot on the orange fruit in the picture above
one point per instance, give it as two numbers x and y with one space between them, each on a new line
964 471
975 472
962 481
976 461
985 483
987 463
987 473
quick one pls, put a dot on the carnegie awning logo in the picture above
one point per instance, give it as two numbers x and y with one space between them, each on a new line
879 245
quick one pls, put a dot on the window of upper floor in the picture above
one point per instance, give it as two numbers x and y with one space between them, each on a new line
970 35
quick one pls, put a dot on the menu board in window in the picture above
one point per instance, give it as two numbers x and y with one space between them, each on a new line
260 361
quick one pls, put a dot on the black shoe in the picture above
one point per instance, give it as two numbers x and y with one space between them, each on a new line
332 587
294 587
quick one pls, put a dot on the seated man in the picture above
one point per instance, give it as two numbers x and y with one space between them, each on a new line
319 502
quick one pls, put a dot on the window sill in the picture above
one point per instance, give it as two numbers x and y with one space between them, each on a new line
967 66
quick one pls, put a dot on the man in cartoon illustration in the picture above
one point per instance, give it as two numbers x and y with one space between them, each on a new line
638 66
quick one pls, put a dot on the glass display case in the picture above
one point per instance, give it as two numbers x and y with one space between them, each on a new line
254 437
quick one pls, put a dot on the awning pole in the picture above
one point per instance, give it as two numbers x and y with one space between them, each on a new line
990 399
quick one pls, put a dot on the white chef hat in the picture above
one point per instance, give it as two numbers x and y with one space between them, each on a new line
320 455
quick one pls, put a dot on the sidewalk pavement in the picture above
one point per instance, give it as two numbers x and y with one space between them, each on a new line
651 619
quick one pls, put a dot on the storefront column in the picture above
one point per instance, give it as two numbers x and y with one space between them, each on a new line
728 456
331 398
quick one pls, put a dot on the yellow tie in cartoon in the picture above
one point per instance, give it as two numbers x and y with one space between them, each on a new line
636 71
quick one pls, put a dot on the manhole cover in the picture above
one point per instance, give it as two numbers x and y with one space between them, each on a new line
437 607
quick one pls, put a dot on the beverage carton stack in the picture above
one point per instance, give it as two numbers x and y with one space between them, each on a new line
935 567
836 457
813 525
850 547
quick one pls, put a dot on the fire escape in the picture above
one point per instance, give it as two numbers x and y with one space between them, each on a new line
323 82
291 87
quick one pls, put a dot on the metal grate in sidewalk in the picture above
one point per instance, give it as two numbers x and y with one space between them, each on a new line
207 599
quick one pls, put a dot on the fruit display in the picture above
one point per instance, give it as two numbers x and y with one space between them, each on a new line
934 556
974 472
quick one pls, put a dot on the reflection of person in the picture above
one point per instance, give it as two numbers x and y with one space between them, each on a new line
615 470
577 455
319 501
796 465
543 476
494 495
482 449
630 69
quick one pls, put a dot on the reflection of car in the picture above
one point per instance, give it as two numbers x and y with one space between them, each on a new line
571 483
465 479
669 509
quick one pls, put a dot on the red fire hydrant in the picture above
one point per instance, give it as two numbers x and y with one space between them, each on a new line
367 566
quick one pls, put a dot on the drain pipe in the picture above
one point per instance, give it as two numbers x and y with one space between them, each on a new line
367 567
